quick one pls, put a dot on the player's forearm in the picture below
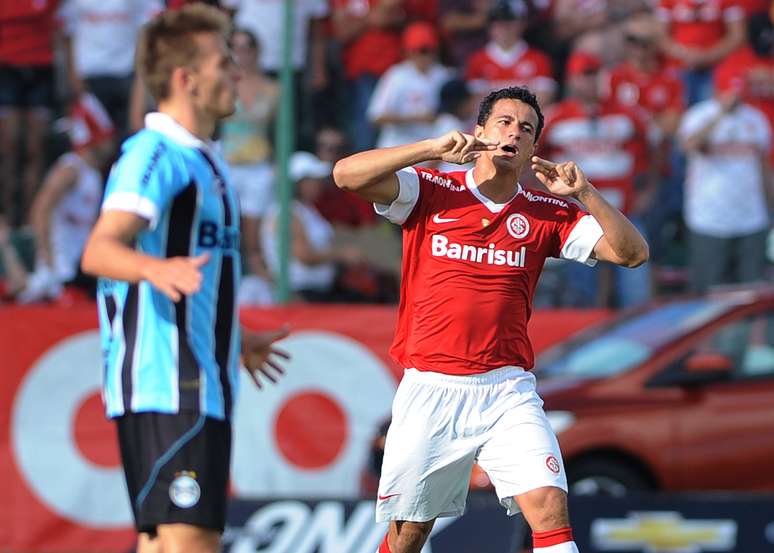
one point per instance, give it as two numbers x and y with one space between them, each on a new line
110 258
363 169
621 234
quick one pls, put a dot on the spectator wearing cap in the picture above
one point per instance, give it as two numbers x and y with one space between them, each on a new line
369 34
507 60
26 99
751 67
314 260
405 101
66 206
697 36
727 188
610 142
100 36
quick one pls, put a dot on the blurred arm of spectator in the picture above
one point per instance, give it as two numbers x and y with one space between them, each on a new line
15 274
695 142
348 26
317 46
466 21
256 263
571 21
66 17
306 254
60 180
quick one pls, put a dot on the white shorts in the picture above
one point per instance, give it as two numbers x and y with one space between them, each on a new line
441 424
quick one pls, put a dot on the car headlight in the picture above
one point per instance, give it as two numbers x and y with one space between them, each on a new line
560 420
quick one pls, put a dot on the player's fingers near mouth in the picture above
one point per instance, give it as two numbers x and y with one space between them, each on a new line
544 163
561 170
459 143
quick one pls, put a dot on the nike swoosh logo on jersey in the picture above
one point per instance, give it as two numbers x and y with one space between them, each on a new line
384 497
437 219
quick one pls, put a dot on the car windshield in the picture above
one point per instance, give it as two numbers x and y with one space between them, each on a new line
616 347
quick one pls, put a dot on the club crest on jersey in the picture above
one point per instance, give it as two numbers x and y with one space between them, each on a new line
517 225
184 491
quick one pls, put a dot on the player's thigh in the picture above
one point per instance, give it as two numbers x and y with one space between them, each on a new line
522 454
426 466
177 469
186 538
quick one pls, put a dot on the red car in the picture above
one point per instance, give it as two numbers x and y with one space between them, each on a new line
676 396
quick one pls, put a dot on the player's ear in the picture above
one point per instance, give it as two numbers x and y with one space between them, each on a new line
479 132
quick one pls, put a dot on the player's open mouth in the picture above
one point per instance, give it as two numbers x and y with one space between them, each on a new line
510 149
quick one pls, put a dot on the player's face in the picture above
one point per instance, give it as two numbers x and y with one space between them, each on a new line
513 124
214 78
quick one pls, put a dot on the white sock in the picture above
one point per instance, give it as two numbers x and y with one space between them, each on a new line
566 547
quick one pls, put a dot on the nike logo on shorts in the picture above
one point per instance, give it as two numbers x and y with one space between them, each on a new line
385 497
437 219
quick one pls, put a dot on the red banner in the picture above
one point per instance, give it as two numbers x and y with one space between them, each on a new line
309 436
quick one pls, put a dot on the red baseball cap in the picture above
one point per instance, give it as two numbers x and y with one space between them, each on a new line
581 62
420 36
89 123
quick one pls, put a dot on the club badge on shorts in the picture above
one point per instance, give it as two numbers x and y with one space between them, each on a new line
553 464
184 491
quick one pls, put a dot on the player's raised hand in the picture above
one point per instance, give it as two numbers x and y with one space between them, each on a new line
562 179
177 276
458 147
259 354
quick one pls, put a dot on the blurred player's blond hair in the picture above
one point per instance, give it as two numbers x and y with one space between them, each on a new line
167 42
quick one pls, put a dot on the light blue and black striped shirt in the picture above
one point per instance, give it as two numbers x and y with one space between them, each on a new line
159 355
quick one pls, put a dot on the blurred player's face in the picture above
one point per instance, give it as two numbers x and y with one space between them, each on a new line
505 33
513 124
245 55
213 79
586 86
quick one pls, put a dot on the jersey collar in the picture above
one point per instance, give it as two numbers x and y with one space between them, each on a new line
163 123
490 205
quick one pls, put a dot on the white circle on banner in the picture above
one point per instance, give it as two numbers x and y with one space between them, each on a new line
517 225
331 365
42 426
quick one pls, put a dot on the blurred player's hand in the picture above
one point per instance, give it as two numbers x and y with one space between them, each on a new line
259 354
177 276
458 147
562 179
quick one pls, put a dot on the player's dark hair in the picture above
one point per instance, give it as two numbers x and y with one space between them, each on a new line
510 93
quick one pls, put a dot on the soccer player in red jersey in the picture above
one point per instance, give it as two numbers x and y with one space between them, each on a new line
474 244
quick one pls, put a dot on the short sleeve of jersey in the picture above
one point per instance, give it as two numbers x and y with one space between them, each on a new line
578 233
145 179
408 196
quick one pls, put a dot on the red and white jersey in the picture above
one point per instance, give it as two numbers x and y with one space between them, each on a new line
492 67
655 92
470 267
699 23
611 147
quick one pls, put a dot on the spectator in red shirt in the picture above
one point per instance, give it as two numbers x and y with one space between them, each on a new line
609 141
697 35
751 68
27 30
507 60
369 31
645 82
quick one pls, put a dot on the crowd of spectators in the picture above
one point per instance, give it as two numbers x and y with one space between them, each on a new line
667 105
